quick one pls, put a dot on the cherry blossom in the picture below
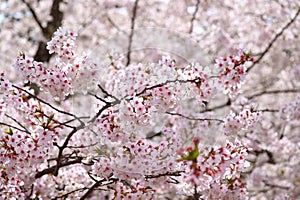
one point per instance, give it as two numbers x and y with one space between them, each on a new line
150 100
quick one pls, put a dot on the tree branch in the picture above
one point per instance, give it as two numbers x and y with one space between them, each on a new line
274 92
194 16
176 173
195 119
273 41
48 104
131 32
52 169
91 189
35 17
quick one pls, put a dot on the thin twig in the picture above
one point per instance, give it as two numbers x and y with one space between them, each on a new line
228 103
176 173
100 111
46 103
194 16
69 121
106 93
99 98
273 92
52 169
195 119
35 17
267 110
80 147
274 40
165 83
26 130
91 189
64 196
14 127
131 32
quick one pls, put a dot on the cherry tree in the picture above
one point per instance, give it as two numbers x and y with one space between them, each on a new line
149 99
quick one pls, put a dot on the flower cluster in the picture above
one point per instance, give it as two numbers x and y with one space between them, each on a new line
63 43
134 190
243 120
116 145
216 171
26 137
109 128
139 158
201 87
70 73
232 71
54 80
133 79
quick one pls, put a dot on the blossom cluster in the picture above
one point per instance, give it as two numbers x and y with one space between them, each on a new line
23 147
232 71
137 161
243 120
69 74
114 145
133 79
216 170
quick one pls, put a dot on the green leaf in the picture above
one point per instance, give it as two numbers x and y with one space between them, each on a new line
9 131
101 152
50 119
193 154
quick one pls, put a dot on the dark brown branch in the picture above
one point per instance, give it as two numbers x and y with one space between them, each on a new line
106 93
35 17
42 54
64 196
57 17
91 189
46 103
135 6
52 169
176 173
14 127
274 40
228 103
195 119
267 110
25 129
61 148
194 16
274 92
